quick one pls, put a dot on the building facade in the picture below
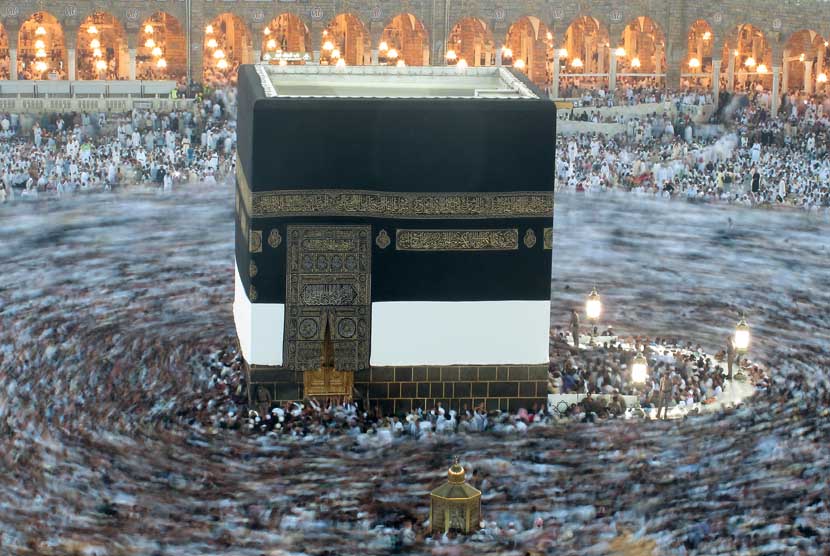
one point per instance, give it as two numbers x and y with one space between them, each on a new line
781 45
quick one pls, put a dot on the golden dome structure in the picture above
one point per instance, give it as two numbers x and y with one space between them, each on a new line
455 505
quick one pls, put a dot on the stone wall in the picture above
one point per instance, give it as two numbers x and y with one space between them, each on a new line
395 389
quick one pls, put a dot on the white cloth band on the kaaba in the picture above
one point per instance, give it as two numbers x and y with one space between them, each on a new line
259 327
460 333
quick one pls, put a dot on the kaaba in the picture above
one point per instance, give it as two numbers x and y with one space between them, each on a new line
394 235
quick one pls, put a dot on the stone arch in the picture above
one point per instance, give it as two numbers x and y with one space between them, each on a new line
700 48
471 40
805 47
286 36
586 39
529 47
751 55
33 62
101 50
349 40
228 43
161 50
5 60
404 40
645 47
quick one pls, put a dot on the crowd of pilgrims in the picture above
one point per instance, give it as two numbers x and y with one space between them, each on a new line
60 154
759 161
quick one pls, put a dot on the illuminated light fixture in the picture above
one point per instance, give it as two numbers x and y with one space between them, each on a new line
635 62
462 64
209 30
400 64
283 62
694 63
801 57
328 45
341 63
335 53
92 30
826 44
451 55
40 53
563 52
150 43
219 54
577 63
212 43
270 45
593 305
639 369
750 62
96 53
148 29
620 51
519 64
707 35
41 66
742 336
156 52
40 31
95 43
161 63
506 52
393 53
549 36
266 31
39 44
383 46
822 78
762 68
222 64
736 53
100 65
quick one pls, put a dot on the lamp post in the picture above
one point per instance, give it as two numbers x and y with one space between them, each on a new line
593 309
741 342
639 374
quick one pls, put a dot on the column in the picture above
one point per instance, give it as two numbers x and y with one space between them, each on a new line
12 63
554 86
132 64
257 56
374 56
785 82
716 80
498 55
808 76
730 76
612 72
70 54
316 57
776 93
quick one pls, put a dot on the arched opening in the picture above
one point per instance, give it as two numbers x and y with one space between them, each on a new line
529 47
584 56
5 70
161 52
644 60
698 66
101 50
472 41
286 40
41 50
805 58
748 56
404 42
227 45
346 38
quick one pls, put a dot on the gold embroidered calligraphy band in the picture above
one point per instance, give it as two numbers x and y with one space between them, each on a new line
337 202
457 240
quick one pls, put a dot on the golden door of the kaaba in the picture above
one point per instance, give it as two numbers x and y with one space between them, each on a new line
328 288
